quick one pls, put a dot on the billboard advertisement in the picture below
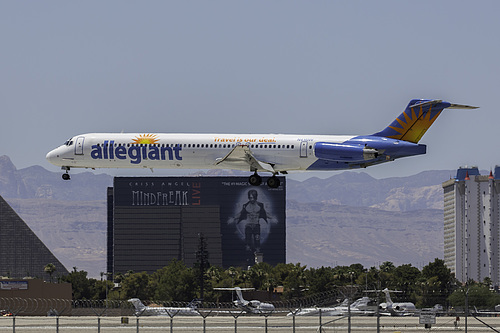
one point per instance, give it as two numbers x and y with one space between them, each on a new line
251 218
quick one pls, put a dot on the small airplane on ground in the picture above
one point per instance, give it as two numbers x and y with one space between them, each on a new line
396 309
273 153
363 306
254 306
143 310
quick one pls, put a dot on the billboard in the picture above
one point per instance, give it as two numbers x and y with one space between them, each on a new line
238 220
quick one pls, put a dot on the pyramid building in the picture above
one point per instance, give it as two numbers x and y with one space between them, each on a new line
22 253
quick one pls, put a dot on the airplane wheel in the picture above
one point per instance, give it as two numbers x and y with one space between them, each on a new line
273 182
255 180
66 176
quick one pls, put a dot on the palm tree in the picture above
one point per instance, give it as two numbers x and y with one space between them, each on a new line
50 269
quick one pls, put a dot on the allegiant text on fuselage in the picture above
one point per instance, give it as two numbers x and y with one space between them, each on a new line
136 153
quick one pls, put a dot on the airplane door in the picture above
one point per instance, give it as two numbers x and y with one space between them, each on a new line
303 149
79 145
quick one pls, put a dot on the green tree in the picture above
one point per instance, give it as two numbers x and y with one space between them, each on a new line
174 282
136 285
294 282
369 278
480 296
320 279
101 289
437 283
82 286
405 278
50 269
260 275
387 267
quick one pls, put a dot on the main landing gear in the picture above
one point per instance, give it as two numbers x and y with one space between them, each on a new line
66 175
256 180
273 182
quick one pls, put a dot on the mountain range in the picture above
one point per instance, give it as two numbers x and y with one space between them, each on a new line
347 218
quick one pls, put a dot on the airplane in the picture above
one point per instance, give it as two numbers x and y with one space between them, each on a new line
273 153
363 306
396 309
144 310
254 306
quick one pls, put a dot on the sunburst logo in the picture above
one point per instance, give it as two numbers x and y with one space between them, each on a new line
411 127
148 139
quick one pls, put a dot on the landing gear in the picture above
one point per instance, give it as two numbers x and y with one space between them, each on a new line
255 179
273 182
66 175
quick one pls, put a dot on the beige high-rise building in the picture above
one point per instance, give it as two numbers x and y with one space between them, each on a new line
472 225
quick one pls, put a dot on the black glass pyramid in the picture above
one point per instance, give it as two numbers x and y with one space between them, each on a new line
22 253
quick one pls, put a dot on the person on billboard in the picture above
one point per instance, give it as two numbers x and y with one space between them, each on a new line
252 212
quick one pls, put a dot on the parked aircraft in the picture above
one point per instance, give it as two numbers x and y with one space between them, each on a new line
363 306
396 309
273 153
144 310
486 313
253 306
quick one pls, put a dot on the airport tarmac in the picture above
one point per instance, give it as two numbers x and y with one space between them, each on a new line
244 324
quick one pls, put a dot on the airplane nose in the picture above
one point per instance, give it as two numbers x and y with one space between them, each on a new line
52 156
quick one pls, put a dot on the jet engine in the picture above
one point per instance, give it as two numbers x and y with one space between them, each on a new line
344 152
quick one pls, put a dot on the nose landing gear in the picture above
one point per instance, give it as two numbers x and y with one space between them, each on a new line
66 175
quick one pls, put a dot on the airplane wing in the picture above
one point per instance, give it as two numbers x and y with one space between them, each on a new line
241 154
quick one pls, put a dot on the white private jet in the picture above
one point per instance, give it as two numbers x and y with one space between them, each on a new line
274 153
254 306
363 306
143 310
396 309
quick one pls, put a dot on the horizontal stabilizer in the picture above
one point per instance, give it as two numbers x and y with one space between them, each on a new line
416 119
461 106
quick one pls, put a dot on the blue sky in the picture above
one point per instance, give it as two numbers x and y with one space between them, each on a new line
304 67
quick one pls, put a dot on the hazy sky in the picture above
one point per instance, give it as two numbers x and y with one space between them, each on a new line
326 67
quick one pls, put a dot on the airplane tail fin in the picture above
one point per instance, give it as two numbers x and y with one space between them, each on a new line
388 299
416 119
239 294
194 304
139 306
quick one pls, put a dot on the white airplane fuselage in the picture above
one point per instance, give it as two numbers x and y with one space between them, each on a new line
144 310
186 151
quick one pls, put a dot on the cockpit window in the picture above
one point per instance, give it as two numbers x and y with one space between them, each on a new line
69 142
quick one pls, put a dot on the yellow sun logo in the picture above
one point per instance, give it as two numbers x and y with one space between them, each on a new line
148 139
414 125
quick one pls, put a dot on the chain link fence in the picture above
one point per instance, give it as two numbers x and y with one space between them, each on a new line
36 315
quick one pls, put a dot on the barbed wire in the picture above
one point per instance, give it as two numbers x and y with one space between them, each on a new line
59 307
